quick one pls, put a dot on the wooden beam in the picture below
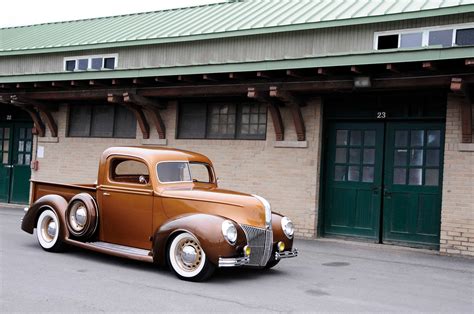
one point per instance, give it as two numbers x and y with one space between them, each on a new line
322 71
295 108
152 107
32 112
96 83
137 111
5 86
186 78
58 84
22 85
392 68
274 110
79 83
295 73
164 80
428 65
41 84
43 110
356 69
212 77
469 62
264 74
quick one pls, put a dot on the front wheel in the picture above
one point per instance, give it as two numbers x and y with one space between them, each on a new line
272 263
187 258
47 231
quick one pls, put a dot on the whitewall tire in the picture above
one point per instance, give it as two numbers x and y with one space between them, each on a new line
48 230
187 258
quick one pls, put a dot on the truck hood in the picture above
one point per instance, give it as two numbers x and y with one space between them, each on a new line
239 207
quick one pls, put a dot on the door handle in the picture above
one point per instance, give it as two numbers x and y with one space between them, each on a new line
375 189
9 166
387 193
106 194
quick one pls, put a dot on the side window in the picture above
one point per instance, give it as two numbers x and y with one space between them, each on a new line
200 172
129 171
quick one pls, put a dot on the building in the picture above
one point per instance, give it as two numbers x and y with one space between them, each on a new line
352 117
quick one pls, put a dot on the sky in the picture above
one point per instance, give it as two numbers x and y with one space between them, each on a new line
27 12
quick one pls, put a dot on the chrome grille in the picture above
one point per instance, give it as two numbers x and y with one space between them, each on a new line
260 241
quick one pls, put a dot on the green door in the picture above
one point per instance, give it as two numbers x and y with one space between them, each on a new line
383 182
5 156
354 179
15 171
412 183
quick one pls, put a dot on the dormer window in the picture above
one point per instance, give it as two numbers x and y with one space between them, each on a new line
445 36
91 63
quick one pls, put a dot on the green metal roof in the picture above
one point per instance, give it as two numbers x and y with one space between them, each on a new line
227 19
370 57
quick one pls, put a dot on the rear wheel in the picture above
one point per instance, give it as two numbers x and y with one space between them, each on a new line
187 258
47 231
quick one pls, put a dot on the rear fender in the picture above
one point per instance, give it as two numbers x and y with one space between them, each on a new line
51 201
206 228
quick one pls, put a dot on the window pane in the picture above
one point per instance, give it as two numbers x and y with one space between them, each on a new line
415 176
29 133
130 171
417 137
341 137
387 42
20 159
27 159
369 156
192 121
21 146
465 37
444 38
200 172
102 121
341 155
79 120
434 138
109 63
28 147
340 173
411 40
432 157
5 158
401 138
356 137
400 157
125 125
354 155
174 172
399 176
70 65
354 173
368 174
369 138
96 63
262 129
432 177
6 134
253 121
416 157
1 133
82 64
6 145
224 127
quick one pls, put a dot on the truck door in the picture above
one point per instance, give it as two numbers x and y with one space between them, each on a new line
126 200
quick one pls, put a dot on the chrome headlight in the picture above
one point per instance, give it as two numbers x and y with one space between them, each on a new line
287 226
268 210
229 231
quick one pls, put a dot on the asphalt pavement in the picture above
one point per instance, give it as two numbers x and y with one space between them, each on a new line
328 276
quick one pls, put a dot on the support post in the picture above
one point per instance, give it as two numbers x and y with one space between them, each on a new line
295 107
152 107
458 86
137 111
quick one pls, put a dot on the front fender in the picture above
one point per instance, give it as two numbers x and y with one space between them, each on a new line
278 234
206 228
57 203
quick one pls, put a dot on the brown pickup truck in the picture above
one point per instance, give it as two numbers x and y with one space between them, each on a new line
160 205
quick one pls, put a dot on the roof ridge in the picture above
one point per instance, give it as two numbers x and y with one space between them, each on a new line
223 2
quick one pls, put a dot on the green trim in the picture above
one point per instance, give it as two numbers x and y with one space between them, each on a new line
256 31
372 57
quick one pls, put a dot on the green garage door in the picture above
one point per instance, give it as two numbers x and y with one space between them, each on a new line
383 182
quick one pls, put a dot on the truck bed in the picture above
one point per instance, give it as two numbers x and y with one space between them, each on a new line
41 188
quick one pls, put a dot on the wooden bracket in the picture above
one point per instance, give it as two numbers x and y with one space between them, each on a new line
152 107
458 86
137 111
274 110
42 115
295 107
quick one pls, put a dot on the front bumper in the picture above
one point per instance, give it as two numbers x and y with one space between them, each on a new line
286 254
233 261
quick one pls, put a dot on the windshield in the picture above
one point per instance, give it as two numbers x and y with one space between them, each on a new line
174 171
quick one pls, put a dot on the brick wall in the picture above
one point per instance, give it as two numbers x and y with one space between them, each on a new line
457 214
287 177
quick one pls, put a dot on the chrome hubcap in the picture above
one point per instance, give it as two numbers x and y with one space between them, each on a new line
81 217
52 229
78 217
188 254
48 229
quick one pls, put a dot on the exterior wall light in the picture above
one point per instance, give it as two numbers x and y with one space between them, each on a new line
362 82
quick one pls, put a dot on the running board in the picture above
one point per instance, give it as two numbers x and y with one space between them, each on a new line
115 249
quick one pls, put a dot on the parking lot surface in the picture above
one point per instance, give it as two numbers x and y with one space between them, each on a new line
328 276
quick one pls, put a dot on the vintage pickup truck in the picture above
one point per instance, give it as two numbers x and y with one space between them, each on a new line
163 206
